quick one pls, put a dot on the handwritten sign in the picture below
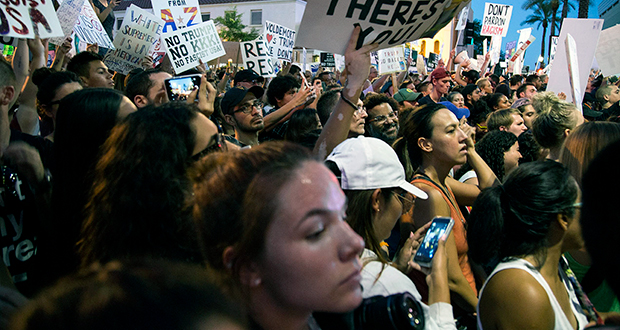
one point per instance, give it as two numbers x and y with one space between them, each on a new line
25 19
255 57
327 60
89 29
187 46
510 48
177 14
139 32
327 24
522 48
392 60
280 41
68 14
496 19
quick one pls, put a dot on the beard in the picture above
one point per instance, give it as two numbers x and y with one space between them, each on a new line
381 132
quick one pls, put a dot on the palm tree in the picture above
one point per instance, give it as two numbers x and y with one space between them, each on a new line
583 8
567 5
542 15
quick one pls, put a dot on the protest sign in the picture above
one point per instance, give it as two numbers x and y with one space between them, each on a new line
187 46
177 14
327 60
522 48
392 60
496 20
255 57
496 47
462 19
586 34
327 24
340 62
573 70
25 19
89 29
407 53
433 60
510 48
119 61
608 50
280 41
304 58
67 13
554 48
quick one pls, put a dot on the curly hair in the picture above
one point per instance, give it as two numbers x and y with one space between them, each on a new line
136 205
374 100
492 148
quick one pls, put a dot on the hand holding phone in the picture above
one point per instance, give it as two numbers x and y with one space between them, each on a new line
440 226
179 88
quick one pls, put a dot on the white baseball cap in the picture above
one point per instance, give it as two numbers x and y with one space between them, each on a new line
370 163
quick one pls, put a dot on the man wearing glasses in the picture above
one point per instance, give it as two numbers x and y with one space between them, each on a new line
248 79
243 110
382 120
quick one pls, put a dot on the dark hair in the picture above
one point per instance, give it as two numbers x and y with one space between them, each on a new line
522 88
503 89
422 86
513 219
531 78
229 204
416 125
280 86
147 152
49 82
467 91
471 75
515 79
302 121
374 100
325 105
140 83
599 215
135 295
84 121
528 147
493 100
80 63
492 148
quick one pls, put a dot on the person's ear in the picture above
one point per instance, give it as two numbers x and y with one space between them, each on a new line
503 128
230 120
566 132
140 101
84 81
425 144
563 221
375 200
8 94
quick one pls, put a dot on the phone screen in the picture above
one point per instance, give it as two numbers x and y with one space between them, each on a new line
179 88
426 251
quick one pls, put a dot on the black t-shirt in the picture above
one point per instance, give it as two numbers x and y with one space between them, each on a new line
428 100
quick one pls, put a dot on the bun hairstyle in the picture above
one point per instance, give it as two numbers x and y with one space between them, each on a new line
513 219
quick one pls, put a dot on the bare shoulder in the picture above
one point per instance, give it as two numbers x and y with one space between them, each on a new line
426 209
513 299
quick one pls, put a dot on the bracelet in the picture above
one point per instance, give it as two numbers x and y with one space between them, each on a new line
354 106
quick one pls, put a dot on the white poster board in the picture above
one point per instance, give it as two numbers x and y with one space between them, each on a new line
586 34
68 13
255 57
279 40
496 48
554 48
496 19
327 24
392 60
463 15
524 35
177 14
89 29
573 70
25 19
187 46
608 50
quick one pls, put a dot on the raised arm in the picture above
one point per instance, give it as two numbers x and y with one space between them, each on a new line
61 54
104 14
457 76
27 115
357 68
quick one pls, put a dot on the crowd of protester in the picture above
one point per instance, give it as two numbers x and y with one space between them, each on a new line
289 202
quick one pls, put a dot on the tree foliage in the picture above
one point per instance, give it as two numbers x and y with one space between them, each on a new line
541 16
231 28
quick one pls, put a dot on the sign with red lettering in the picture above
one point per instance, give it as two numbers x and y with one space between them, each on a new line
177 14
25 19
255 57
327 24
496 20
279 40
89 29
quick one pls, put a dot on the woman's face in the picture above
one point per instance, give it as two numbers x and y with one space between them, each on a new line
487 88
448 141
391 208
311 257
573 239
511 158
458 101
475 95
61 92
502 103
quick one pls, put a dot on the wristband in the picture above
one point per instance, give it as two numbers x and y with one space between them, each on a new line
354 106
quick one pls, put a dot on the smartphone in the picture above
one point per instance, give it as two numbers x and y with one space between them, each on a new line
179 88
439 227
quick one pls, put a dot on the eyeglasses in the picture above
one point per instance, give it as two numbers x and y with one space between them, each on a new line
219 145
360 111
404 200
249 107
380 119
253 81
577 204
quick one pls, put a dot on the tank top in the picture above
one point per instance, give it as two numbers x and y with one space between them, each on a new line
561 321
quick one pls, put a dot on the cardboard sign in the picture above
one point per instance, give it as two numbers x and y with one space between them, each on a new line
68 13
608 50
139 32
280 41
25 19
255 57
496 19
496 47
586 34
177 14
327 60
89 29
392 60
460 25
327 24
187 46
573 70
433 61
